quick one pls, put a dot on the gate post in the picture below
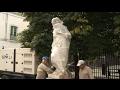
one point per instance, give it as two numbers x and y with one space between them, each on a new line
103 69
119 73
76 67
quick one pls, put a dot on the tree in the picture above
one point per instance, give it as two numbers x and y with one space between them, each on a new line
104 28
92 32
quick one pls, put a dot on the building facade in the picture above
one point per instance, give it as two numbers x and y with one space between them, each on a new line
11 23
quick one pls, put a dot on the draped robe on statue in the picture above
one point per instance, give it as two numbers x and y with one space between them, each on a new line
60 46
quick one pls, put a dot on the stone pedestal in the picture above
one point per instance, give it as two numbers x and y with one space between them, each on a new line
53 76
57 74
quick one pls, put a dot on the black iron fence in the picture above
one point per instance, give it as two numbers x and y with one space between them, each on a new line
106 67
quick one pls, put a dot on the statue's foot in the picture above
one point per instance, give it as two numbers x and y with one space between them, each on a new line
54 76
57 74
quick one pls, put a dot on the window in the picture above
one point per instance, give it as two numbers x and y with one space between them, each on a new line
13 33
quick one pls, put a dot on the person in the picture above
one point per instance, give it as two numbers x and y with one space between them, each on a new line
85 72
43 69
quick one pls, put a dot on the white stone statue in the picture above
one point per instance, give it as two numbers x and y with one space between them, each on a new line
60 48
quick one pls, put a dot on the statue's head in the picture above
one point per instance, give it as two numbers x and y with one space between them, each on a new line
56 20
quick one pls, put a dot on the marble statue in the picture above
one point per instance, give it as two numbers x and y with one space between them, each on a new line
60 48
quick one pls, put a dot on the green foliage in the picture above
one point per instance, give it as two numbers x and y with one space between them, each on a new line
92 32
41 43
25 38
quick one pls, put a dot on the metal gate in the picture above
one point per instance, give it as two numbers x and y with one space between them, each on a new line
106 67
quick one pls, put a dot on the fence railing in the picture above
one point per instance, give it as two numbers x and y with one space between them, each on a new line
105 68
